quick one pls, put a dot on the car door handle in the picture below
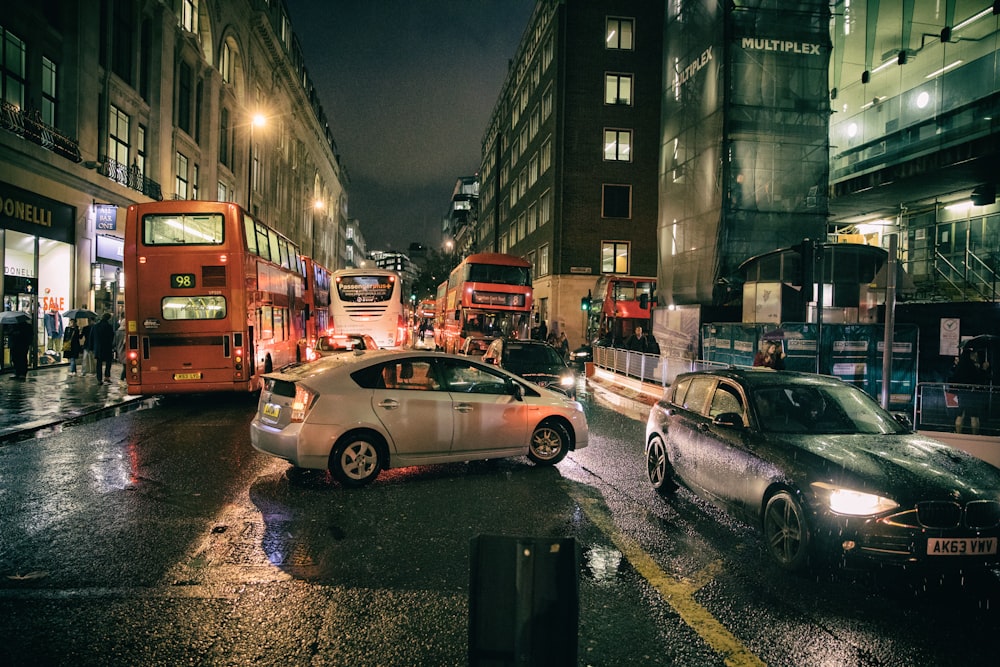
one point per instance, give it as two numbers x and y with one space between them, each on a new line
389 404
463 407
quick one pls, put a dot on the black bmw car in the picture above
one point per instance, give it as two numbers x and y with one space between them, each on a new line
823 471
535 361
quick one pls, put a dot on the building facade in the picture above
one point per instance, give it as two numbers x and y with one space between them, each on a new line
106 104
915 139
744 165
569 170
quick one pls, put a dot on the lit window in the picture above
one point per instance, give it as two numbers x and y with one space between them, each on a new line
618 145
614 257
619 34
618 89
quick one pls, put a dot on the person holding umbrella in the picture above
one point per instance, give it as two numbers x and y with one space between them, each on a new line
970 371
19 338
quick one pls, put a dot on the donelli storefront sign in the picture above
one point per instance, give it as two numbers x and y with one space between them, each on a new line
30 213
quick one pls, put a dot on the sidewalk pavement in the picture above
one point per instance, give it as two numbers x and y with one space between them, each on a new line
50 396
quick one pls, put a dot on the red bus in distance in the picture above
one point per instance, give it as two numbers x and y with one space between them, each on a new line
316 296
486 295
213 298
620 304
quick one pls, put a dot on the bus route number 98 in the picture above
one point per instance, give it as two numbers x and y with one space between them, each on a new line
182 280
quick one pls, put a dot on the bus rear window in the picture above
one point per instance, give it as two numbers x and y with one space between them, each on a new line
193 307
365 289
201 229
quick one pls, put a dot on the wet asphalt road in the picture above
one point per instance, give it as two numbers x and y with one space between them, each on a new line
159 537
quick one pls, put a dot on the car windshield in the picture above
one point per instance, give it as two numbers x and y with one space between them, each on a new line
820 409
531 355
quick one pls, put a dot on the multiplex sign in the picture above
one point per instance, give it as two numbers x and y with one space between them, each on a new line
749 44
779 45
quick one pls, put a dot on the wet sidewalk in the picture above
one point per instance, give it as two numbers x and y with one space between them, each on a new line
50 396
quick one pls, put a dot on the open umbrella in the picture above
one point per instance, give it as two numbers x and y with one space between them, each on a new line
80 313
988 346
14 316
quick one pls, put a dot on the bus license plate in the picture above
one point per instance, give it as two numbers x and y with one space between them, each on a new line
187 376
965 546
272 411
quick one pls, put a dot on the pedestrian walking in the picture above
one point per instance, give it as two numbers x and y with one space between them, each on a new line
19 338
103 334
87 349
72 345
972 399
563 345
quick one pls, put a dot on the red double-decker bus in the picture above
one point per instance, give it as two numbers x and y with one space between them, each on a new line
213 298
620 304
488 295
316 296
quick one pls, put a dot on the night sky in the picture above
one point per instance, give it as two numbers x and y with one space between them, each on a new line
408 87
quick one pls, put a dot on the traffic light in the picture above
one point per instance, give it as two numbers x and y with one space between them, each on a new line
585 302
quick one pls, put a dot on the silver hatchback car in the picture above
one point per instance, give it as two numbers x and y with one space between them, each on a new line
359 413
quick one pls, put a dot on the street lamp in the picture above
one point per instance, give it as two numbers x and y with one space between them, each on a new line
257 120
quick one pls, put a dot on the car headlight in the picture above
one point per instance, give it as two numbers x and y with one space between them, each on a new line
567 380
855 503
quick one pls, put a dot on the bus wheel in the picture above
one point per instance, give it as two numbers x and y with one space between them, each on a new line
357 459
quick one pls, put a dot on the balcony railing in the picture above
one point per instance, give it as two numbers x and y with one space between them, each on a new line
29 126
130 177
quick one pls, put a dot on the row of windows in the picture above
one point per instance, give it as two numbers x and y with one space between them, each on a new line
13 77
615 257
616 200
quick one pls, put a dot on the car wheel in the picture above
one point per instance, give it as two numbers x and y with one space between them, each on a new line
549 443
357 460
658 468
786 532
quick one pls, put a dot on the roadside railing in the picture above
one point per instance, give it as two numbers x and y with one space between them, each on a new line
651 368
938 406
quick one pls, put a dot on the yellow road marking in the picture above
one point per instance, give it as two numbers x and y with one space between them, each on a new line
678 593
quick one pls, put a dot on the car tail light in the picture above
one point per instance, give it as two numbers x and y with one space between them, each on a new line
302 403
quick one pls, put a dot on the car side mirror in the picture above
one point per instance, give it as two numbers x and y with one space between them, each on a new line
517 391
903 419
731 419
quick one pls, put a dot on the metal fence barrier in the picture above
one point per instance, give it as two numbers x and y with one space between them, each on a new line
938 406
651 368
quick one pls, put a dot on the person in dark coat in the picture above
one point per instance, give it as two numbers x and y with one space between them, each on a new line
19 337
72 345
972 401
103 346
637 341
